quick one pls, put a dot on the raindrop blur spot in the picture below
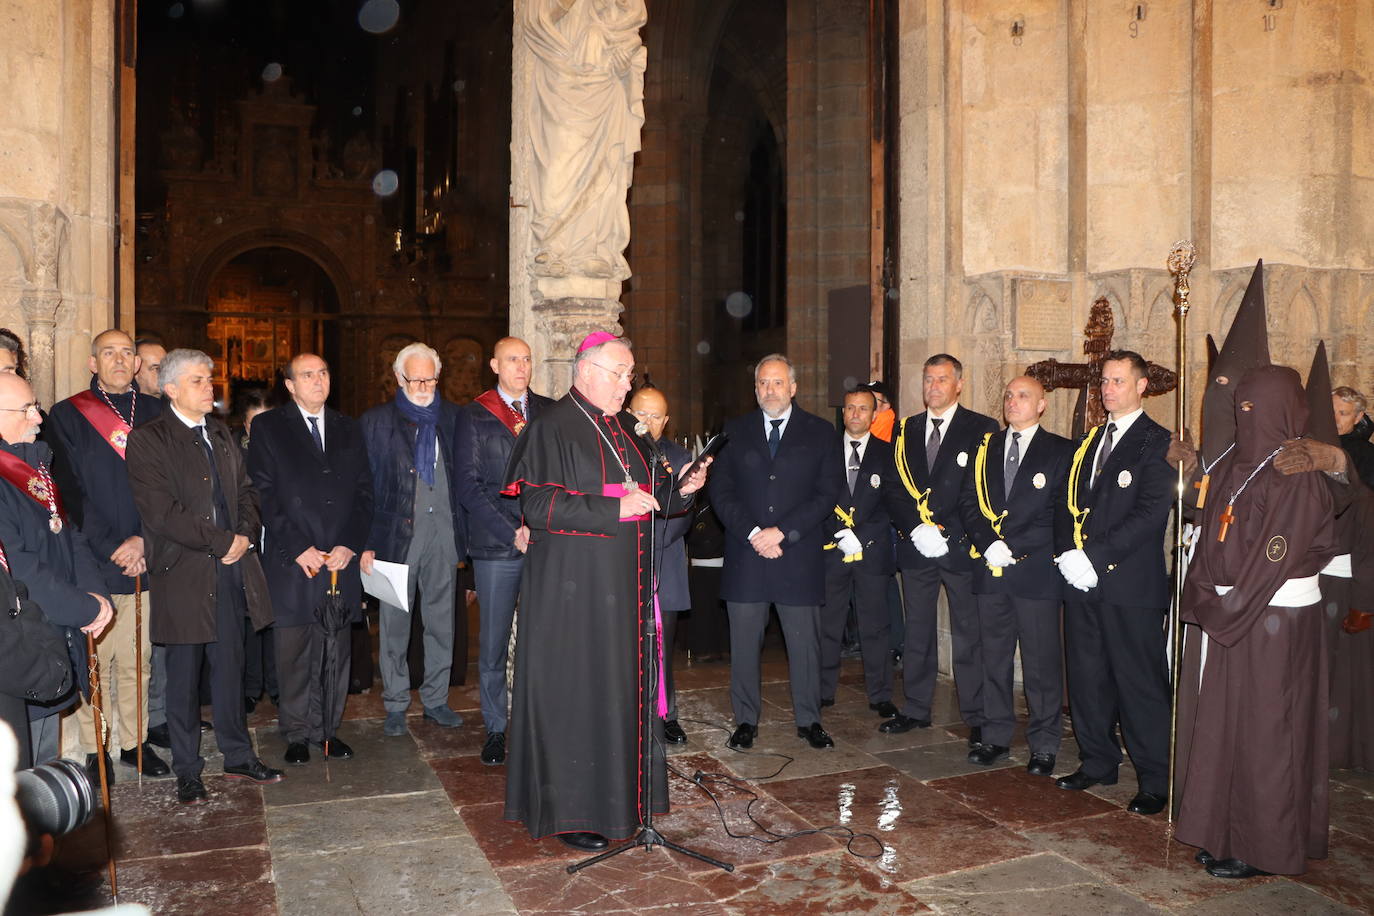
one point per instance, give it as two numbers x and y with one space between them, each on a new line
271 73
1271 624
385 183
704 347
739 216
850 383
176 11
378 16
1333 713
739 304
357 110
459 85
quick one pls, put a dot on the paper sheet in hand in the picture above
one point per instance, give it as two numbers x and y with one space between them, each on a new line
389 582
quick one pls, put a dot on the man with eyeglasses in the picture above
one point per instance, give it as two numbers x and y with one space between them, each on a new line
44 551
417 520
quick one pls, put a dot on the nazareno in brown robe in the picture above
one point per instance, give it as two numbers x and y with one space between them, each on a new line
1253 783
1351 655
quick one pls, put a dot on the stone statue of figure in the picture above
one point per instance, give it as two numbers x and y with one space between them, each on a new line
587 89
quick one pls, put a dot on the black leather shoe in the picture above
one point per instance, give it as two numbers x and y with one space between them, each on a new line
829 702
254 770
153 765
206 726
249 704
587 842
93 769
1041 765
815 736
673 733
158 735
975 737
985 755
743 736
494 751
1204 858
1146 803
900 723
338 750
190 790
1078 781
1234 868
297 753
885 709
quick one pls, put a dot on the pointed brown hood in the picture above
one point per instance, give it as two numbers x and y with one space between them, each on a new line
1246 347
1321 415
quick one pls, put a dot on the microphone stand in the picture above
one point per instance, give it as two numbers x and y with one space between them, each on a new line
648 836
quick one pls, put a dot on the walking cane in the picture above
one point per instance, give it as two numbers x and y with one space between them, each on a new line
98 716
1181 259
139 726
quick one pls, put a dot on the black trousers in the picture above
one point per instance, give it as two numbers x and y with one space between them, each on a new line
225 659
847 583
669 637
1004 620
1116 661
301 671
259 662
920 658
708 625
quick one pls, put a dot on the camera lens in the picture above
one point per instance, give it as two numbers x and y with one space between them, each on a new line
54 798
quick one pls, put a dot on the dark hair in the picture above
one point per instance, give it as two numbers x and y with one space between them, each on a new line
1138 364
149 338
251 396
12 342
943 359
864 389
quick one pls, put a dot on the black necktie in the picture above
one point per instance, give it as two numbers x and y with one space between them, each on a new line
1013 463
774 438
853 466
519 411
315 433
1103 452
933 443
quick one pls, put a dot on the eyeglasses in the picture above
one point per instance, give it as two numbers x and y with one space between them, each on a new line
623 375
421 383
35 408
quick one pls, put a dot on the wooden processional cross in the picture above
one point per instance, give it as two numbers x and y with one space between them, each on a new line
1086 377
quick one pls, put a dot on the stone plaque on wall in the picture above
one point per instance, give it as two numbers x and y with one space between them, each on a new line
1044 319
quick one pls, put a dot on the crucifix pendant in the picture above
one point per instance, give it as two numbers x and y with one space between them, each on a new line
1227 518
1201 487
629 484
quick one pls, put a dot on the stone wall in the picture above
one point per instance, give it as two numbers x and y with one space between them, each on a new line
56 191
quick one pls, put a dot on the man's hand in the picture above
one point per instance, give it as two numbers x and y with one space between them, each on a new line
339 558
236 550
1077 569
128 554
310 561
690 485
1181 451
637 502
1357 621
102 618
848 542
366 559
767 543
928 540
1301 455
998 554
522 538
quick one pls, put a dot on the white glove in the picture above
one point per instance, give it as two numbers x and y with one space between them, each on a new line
998 554
1077 569
929 541
848 543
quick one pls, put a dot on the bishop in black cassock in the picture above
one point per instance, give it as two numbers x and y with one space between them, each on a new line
575 734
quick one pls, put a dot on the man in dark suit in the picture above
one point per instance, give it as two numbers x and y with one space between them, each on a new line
309 464
200 522
860 561
1009 505
1110 538
416 520
932 456
497 536
774 489
650 407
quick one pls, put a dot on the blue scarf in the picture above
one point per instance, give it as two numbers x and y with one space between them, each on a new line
427 419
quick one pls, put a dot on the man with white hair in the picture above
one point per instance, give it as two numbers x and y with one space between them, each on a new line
412 447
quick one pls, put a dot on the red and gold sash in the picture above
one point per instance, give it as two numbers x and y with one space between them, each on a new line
502 411
104 418
36 483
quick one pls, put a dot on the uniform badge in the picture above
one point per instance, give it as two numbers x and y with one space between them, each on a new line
961 459
119 438
875 481
1276 549
39 488
1123 480
1038 481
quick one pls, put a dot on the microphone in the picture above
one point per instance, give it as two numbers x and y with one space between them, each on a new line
641 428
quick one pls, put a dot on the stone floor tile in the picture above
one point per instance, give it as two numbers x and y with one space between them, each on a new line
1352 810
723 784
706 712
437 741
936 761
361 823
858 725
1043 883
151 822
767 761
507 844
633 882
468 781
688 675
1133 853
382 766
1273 897
822 885
440 877
699 829
1359 779
1344 875
218 881
1016 799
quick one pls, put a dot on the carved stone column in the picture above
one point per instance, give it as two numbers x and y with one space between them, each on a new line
568 224
40 310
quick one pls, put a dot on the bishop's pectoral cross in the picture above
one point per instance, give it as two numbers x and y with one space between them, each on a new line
1227 518
1087 377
